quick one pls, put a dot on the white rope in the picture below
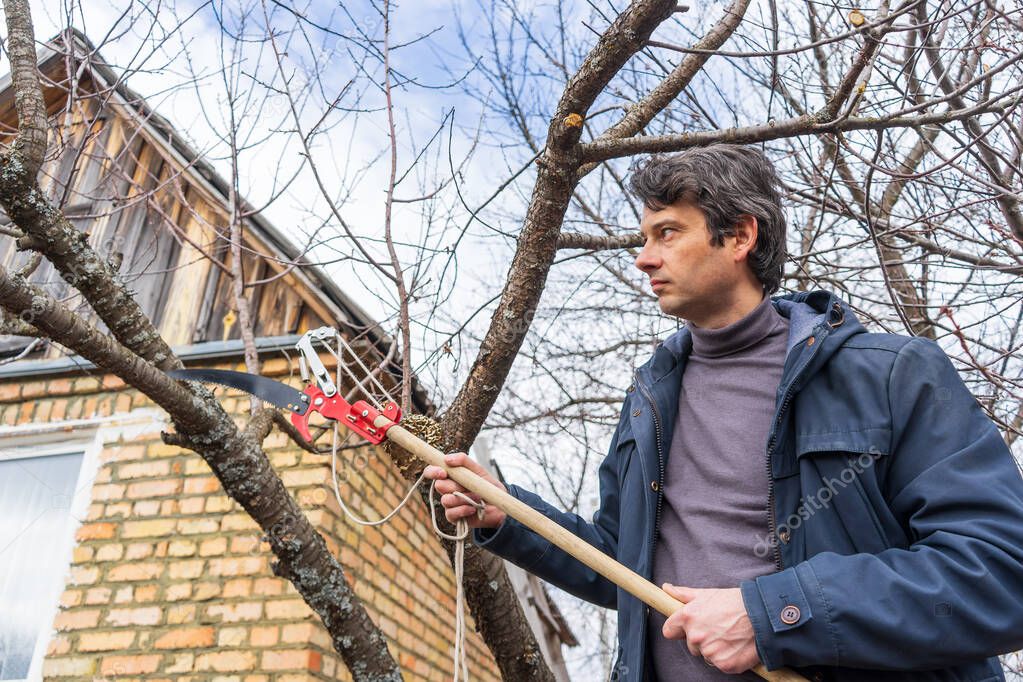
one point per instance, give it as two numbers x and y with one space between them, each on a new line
340 501
461 533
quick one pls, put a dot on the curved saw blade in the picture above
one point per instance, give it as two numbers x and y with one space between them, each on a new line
274 392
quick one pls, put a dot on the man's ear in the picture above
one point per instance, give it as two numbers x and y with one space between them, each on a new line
745 237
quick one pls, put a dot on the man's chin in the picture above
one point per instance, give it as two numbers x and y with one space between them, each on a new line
671 305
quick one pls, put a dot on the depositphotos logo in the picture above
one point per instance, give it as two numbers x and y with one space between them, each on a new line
821 499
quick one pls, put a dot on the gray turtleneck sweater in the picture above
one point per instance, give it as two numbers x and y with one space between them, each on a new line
714 519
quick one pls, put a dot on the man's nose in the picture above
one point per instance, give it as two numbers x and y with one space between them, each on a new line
647 259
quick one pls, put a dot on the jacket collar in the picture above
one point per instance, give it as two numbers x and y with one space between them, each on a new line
817 312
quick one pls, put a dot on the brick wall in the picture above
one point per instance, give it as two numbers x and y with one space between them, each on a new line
170 579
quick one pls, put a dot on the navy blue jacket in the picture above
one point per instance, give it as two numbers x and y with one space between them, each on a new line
896 511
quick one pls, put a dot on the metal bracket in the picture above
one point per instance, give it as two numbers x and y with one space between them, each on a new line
359 416
312 358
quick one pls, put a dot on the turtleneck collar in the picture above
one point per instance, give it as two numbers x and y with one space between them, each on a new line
741 334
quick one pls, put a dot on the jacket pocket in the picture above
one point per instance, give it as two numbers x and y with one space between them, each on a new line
839 485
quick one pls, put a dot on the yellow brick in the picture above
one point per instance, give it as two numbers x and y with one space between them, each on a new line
70 598
239 521
294 478
180 570
150 489
196 467
264 636
118 509
87 385
148 529
267 586
76 620
213 547
143 470
144 616
297 632
112 552
129 665
239 587
191 505
200 485
32 390
144 508
181 663
178 591
181 548
197 526
290 609
206 591
220 504
68 667
108 491
235 613
236 566
95 512
81 555
134 572
81 575
181 613
226 661
231 637
146 593
10 392
138 550
186 638
291 660
58 646
105 641
95 531
124 453
160 449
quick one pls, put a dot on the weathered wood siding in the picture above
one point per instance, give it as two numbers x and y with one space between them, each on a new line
153 215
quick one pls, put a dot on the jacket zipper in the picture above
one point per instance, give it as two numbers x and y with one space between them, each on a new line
660 462
771 521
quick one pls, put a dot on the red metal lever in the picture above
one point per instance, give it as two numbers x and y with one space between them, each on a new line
358 416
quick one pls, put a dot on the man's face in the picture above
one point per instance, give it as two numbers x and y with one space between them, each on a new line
690 276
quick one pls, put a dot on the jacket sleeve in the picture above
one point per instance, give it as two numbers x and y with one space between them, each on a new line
521 546
953 595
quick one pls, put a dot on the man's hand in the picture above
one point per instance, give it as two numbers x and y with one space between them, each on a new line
455 507
715 626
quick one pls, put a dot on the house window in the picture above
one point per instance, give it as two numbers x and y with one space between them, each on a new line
40 497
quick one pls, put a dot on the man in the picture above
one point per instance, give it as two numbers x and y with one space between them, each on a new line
819 496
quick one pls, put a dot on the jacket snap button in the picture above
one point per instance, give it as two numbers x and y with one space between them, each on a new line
818 677
810 341
790 614
631 388
636 413
783 535
655 486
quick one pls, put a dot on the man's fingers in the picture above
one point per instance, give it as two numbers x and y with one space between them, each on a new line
683 594
460 459
434 473
454 514
451 500
673 628
446 486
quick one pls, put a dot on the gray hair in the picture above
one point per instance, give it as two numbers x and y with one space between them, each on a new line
725 181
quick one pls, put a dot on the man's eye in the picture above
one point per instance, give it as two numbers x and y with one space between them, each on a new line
668 231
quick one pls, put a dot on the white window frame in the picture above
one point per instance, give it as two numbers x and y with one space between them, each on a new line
86 436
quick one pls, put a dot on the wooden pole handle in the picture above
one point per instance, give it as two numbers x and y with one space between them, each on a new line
618 573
